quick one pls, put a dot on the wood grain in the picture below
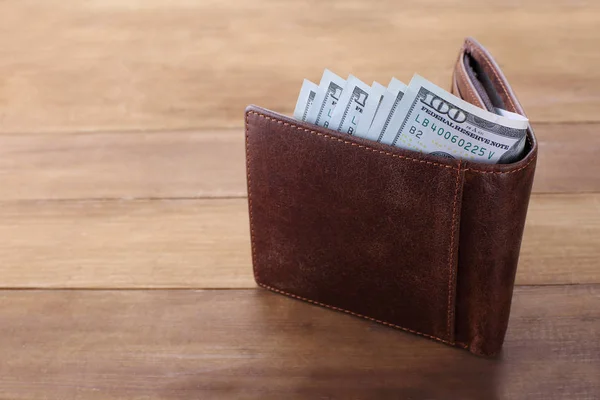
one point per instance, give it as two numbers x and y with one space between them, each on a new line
164 64
205 243
123 165
568 158
189 164
125 244
251 344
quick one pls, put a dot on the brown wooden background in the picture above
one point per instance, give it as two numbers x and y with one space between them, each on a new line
122 172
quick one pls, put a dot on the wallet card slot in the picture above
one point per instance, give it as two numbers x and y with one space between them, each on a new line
478 80
352 225
481 89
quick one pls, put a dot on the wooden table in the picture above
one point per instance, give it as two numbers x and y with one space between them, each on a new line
124 248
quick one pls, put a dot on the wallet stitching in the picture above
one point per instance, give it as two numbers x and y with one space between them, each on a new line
253 249
281 122
361 315
250 200
451 270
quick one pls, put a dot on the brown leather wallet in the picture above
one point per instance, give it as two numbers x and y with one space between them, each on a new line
417 242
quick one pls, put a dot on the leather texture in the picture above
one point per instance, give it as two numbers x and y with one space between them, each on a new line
425 244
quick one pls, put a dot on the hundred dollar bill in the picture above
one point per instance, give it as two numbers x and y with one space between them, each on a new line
305 100
328 94
431 120
356 102
373 104
387 110
510 115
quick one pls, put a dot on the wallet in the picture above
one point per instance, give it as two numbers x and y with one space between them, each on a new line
414 241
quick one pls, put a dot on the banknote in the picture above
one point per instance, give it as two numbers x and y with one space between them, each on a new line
329 91
387 110
305 100
431 120
358 101
510 115
421 117
371 109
